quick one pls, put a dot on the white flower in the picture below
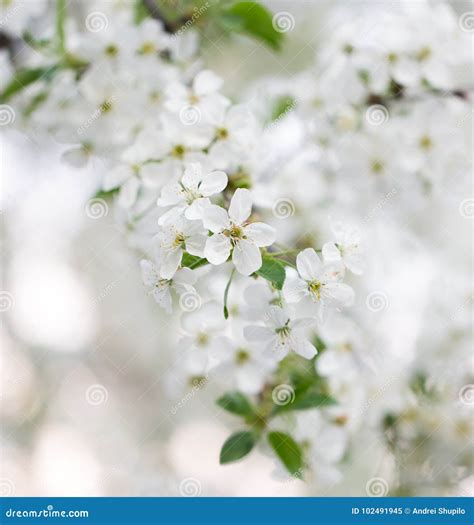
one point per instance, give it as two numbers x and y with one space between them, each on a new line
324 443
203 95
346 248
282 335
243 364
176 237
182 282
236 133
191 194
318 281
233 233
203 329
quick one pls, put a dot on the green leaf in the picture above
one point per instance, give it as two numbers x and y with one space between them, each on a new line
192 261
282 105
237 446
140 12
236 403
254 20
226 294
306 400
272 270
24 78
288 451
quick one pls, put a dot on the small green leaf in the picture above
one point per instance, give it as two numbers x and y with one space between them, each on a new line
282 105
192 261
236 403
140 12
24 78
253 19
288 451
307 400
273 271
237 446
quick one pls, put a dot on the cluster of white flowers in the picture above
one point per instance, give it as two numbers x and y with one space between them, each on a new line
200 180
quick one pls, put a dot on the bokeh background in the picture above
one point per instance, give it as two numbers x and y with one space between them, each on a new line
86 401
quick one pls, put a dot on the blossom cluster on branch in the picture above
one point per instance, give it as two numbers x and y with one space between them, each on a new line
227 204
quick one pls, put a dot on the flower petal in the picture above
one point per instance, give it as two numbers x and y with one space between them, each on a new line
170 261
171 194
206 82
192 176
216 219
258 333
212 183
309 264
294 289
260 233
197 209
128 193
240 206
246 257
217 249
337 294
302 346
330 252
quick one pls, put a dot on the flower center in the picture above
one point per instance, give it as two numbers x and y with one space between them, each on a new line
197 381
105 107
111 50
179 240
202 339
178 151
222 133
242 356
315 288
392 58
284 331
426 142
423 54
376 166
147 48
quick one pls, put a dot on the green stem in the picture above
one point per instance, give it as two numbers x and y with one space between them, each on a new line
226 294
60 20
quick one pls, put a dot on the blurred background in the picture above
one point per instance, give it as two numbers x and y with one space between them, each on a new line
87 405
